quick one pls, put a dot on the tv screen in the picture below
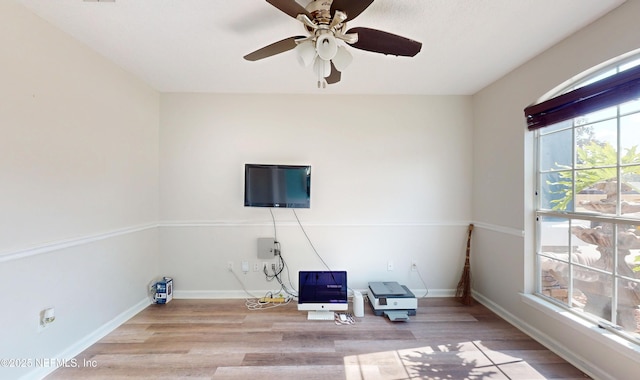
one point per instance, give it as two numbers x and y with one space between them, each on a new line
277 186
322 290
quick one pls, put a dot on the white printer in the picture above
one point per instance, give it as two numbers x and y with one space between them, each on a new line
395 301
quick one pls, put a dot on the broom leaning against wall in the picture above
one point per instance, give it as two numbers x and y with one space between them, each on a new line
463 291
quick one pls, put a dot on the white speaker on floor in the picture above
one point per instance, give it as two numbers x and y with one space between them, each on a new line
358 304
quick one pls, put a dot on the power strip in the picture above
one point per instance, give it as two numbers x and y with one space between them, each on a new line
272 300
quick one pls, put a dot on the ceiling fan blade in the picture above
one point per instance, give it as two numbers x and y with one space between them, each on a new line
289 7
335 75
378 41
351 7
273 49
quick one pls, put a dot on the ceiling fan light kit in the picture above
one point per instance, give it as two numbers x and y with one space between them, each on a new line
342 59
306 53
325 22
326 46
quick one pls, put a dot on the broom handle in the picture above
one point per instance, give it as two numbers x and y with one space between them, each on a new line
469 243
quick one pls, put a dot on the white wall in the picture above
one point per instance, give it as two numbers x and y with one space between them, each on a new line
78 189
503 190
391 181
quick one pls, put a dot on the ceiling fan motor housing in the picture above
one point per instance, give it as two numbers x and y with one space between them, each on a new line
320 10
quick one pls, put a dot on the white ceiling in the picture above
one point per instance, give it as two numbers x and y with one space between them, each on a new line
198 45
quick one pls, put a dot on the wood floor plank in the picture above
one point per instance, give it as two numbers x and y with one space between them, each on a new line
262 347
294 359
224 339
311 372
168 338
444 317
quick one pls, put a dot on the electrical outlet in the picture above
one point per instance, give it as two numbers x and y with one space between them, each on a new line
389 265
45 318
245 266
230 266
414 266
256 267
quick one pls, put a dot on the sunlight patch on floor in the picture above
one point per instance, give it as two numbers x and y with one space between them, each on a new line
466 360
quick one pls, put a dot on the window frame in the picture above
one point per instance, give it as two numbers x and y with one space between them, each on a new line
541 115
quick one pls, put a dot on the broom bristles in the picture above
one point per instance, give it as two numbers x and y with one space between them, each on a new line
463 290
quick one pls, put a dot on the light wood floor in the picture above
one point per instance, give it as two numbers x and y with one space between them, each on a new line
222 339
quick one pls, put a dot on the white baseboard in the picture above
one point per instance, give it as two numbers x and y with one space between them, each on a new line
549 342
435 293
216 294
84 343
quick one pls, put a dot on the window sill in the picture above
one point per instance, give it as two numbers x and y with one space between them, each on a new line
601 335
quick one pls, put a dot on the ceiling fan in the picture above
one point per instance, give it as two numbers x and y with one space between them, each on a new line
326 24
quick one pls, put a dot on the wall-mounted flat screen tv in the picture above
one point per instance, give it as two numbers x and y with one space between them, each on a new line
277 186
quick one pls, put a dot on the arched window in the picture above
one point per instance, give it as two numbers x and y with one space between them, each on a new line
588 197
